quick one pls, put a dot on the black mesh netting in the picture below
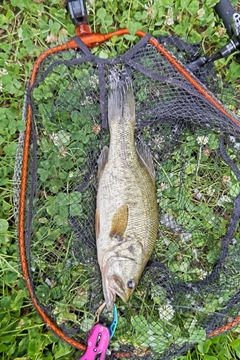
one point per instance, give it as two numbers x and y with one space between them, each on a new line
190 287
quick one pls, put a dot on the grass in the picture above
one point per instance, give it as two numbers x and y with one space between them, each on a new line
30 27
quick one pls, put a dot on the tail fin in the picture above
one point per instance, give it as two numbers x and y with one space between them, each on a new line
121 103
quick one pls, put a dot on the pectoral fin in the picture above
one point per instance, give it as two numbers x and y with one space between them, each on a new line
119 222
145 159
102 161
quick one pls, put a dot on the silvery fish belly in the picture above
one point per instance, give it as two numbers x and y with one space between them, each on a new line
127 214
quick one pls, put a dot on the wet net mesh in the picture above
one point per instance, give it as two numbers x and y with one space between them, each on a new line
190 287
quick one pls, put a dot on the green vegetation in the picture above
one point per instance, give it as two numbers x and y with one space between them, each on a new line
28 28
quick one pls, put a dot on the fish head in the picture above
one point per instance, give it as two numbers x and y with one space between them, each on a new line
120 277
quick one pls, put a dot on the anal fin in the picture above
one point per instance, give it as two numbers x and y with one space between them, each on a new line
102 161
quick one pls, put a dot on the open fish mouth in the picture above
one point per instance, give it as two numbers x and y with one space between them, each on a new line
113 286
116 284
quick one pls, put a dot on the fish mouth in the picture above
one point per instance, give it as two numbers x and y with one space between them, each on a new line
109 295
117 285
113 284
108 291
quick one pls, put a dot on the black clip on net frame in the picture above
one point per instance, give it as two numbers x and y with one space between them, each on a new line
231 21
78 12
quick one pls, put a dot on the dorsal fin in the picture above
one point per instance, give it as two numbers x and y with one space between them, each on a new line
145 159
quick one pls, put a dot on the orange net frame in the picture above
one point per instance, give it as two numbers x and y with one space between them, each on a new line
91 40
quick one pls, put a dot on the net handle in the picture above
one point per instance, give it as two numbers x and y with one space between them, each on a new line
225 11
95 39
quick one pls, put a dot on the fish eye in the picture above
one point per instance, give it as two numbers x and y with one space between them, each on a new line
131 284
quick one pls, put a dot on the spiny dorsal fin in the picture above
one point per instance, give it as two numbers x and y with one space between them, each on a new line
145 159
119 222
102 161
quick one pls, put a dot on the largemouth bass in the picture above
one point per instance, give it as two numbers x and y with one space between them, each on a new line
127 215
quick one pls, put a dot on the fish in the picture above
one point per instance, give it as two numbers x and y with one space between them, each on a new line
126 219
